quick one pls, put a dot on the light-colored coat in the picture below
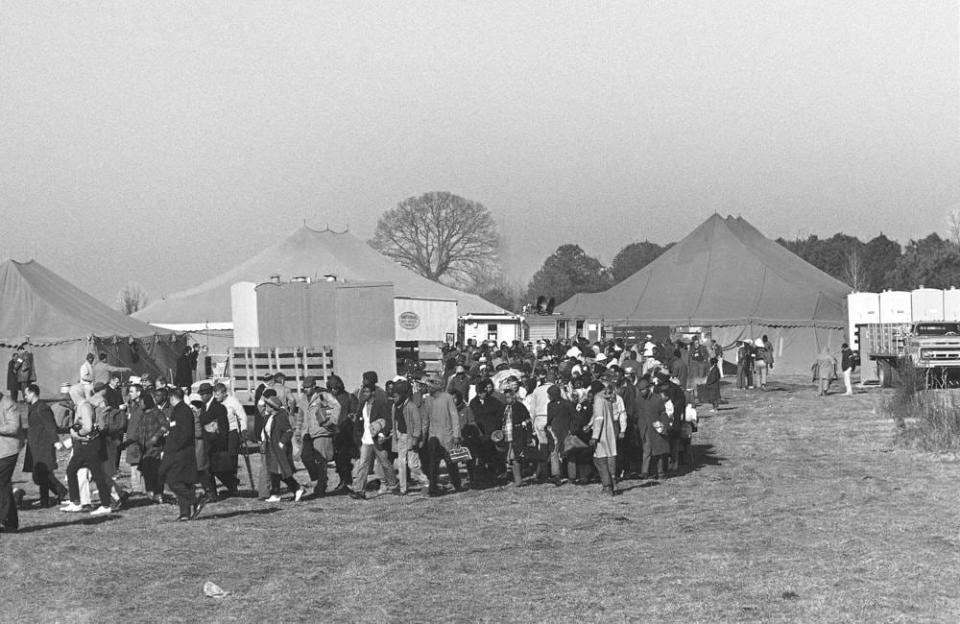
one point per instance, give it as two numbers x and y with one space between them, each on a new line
443 419
604 429
11 430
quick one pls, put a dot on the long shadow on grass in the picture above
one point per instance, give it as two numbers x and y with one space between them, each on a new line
56 525
239 512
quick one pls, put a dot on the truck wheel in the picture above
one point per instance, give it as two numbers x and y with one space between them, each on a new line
885 373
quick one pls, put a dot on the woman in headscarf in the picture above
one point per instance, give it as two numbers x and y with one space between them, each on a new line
278 450
604 437
824 371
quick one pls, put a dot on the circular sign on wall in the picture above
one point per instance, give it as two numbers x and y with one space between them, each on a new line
409 320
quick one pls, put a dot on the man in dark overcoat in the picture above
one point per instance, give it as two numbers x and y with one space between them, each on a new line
178 466
41 456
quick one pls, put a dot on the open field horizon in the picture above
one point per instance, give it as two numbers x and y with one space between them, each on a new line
800 509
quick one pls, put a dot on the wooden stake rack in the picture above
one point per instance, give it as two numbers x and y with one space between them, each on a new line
248 366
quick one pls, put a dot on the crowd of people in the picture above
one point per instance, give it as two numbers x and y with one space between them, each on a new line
508 415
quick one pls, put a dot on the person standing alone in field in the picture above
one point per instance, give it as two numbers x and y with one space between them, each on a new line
848 364
824 371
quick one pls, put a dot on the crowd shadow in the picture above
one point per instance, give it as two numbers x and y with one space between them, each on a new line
57 525
224 515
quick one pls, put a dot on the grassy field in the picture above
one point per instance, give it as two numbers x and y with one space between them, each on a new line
800 510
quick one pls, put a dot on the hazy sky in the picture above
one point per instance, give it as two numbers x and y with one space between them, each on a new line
164 142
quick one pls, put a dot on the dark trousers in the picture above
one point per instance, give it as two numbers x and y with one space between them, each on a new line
344 452
679 450
88 455
151 480
315 454
275 480
437 453
8 509
46 481
186 495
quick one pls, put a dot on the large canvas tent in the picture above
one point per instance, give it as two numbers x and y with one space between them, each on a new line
309 253
61 324
727 276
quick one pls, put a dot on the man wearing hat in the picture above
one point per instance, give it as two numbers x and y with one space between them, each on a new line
321 417
443 434
409 428
217 441
178 467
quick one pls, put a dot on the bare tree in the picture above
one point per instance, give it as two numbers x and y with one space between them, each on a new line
440 236
854 270
953 220
131 298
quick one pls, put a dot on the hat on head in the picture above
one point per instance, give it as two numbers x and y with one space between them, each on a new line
601 357
401 386
273 402
460 369
205 388
309 382
759 342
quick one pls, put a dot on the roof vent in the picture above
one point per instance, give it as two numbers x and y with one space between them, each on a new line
275 278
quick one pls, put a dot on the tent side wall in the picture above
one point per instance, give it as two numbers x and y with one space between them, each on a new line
60 363
795 348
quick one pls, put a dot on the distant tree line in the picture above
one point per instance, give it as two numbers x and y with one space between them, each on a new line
881 263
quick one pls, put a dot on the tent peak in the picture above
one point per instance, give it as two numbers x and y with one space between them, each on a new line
326 229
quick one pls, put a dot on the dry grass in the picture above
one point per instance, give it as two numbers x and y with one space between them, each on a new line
801 510
927 420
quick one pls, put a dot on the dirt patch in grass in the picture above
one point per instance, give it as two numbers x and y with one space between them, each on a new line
800 510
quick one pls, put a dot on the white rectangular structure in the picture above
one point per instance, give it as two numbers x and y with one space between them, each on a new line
863 308
951 304
896 306
246 323
927 304
496 327
424 320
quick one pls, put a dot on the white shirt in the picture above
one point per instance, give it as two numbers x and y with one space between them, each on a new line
86 373
367 437
235 414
